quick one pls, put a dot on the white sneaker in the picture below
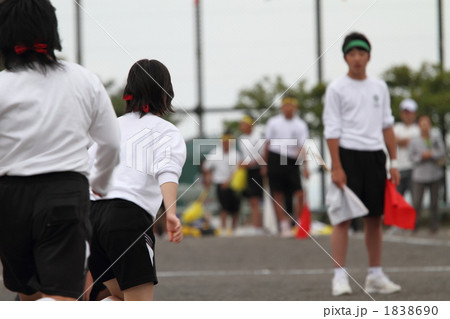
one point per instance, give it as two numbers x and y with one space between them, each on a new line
381 284
340 286
286 233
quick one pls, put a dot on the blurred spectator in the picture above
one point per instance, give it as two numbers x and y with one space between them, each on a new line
285 134
218 168
404 131
247 142
427 153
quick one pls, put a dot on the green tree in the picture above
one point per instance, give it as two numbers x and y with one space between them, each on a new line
428 86
116 97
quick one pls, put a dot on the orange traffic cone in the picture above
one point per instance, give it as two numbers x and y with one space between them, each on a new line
304 222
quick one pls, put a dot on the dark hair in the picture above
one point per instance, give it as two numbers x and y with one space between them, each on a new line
354 36
27 22
149 85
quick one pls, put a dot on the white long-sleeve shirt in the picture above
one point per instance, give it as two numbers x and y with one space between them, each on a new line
152 153
46 120
356 112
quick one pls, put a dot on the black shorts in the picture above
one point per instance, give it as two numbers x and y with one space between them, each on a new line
254 183
228 200
123 243
283 177
44 230
366 176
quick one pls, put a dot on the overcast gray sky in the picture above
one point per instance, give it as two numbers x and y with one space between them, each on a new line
244 40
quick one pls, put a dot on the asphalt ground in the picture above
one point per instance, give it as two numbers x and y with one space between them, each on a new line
271 268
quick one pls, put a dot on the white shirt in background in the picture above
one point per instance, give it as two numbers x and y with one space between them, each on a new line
403 131
221 167
250 147
283 133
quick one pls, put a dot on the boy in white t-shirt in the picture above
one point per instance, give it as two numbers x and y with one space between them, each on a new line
358 125
285 134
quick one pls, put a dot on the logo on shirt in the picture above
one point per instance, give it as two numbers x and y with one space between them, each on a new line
376 100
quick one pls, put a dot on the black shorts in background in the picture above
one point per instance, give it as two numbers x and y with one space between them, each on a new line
123 243
44 230
228 199
283 177
254 183
366 177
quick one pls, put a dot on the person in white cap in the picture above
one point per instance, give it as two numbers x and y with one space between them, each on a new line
404 132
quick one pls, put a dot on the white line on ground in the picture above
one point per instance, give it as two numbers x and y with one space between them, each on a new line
289 272
417 241
412 240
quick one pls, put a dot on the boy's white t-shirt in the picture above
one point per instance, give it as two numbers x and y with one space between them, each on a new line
356 112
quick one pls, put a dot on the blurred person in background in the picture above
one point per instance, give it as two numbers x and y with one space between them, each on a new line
285 135
253 192
427 153
404 132
218 169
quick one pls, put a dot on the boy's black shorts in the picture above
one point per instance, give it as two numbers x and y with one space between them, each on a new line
44 230
123 243
283 177
228 199
254 183
366 176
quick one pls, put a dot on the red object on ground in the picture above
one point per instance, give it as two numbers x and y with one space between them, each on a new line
397 212
304 222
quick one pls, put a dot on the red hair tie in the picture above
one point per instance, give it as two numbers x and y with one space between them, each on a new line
40 48
145 108
128 97
37 47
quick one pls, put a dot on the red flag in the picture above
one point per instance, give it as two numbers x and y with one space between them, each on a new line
304 222
397 211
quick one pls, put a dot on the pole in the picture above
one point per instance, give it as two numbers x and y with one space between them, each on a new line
441 67
441 35
199 110
319 40
320 80
79 51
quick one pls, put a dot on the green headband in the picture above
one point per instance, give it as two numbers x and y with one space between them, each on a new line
357 44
